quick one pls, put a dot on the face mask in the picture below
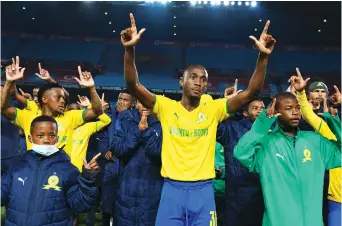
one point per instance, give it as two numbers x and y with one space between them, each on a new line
45 150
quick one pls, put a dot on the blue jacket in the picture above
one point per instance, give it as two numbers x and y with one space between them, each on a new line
109 169
228 134
140 182
46 191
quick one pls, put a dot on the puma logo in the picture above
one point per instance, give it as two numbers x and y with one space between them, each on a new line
280 156
20 179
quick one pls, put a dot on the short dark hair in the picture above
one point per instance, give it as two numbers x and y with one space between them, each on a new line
193 66
129 93
44 88
42 118
245 108
282 96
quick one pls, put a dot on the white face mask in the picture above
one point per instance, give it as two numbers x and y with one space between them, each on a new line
45 150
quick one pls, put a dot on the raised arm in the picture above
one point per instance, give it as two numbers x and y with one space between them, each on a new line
13 73
265 45
129 38
86 80
45 75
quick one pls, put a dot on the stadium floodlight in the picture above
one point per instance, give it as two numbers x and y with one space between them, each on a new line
253 3
232 3
247 3
205 2
192 2
215 2
239 3
225 3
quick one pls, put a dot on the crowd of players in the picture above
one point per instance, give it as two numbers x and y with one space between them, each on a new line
157 161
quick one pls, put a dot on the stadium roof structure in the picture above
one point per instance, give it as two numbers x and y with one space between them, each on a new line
292 23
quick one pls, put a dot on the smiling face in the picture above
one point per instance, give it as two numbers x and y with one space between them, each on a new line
194 81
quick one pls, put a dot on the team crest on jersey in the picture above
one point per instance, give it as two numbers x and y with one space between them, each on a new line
52 183
307 155
201 118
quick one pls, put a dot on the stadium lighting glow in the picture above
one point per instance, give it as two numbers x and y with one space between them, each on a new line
174 17
225 3
253 3
114 31
174 34
325 20
24 7
232 3
193 2
319 30
110 22
105 13
215 2
32 18
260 20
239 3
247 3
174 26
205 2
255 29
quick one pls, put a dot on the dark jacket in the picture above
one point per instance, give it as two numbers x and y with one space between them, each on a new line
140 182
46 190
109 168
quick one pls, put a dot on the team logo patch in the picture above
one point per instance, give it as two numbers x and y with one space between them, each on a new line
201 118
52 183
307 155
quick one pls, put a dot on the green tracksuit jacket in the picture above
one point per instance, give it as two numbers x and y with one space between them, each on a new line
291 171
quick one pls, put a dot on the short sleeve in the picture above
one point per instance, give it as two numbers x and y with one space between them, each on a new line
161 105
219 107
22 118
31 106
76 117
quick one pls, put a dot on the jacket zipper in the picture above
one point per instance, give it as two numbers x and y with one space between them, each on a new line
33 192
298 179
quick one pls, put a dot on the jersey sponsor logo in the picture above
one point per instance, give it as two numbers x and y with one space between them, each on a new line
188 132
307 155
52 183
201 118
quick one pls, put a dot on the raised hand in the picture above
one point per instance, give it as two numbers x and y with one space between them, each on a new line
35 92
26 95
43 74
291 89
92 165
13 71
336 97
105 105
83 101
270 111
266 42
109 156
298 82
86 80
143 122
131 36
232 91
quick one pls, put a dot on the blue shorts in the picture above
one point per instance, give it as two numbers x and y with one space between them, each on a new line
187 203
334 214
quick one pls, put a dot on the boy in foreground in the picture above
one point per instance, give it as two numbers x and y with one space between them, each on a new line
45 188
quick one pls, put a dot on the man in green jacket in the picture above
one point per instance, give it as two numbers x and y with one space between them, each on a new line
290 163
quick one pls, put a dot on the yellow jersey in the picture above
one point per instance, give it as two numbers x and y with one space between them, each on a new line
320 126
67 123
81 137
189 138
32 106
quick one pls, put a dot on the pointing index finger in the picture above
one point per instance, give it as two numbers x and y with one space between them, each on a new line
336 89
235 85
274 103
40 67
132 20
79 71
94 158
298 73
266 27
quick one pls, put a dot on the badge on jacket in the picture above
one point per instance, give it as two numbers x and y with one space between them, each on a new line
52 183
307 155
